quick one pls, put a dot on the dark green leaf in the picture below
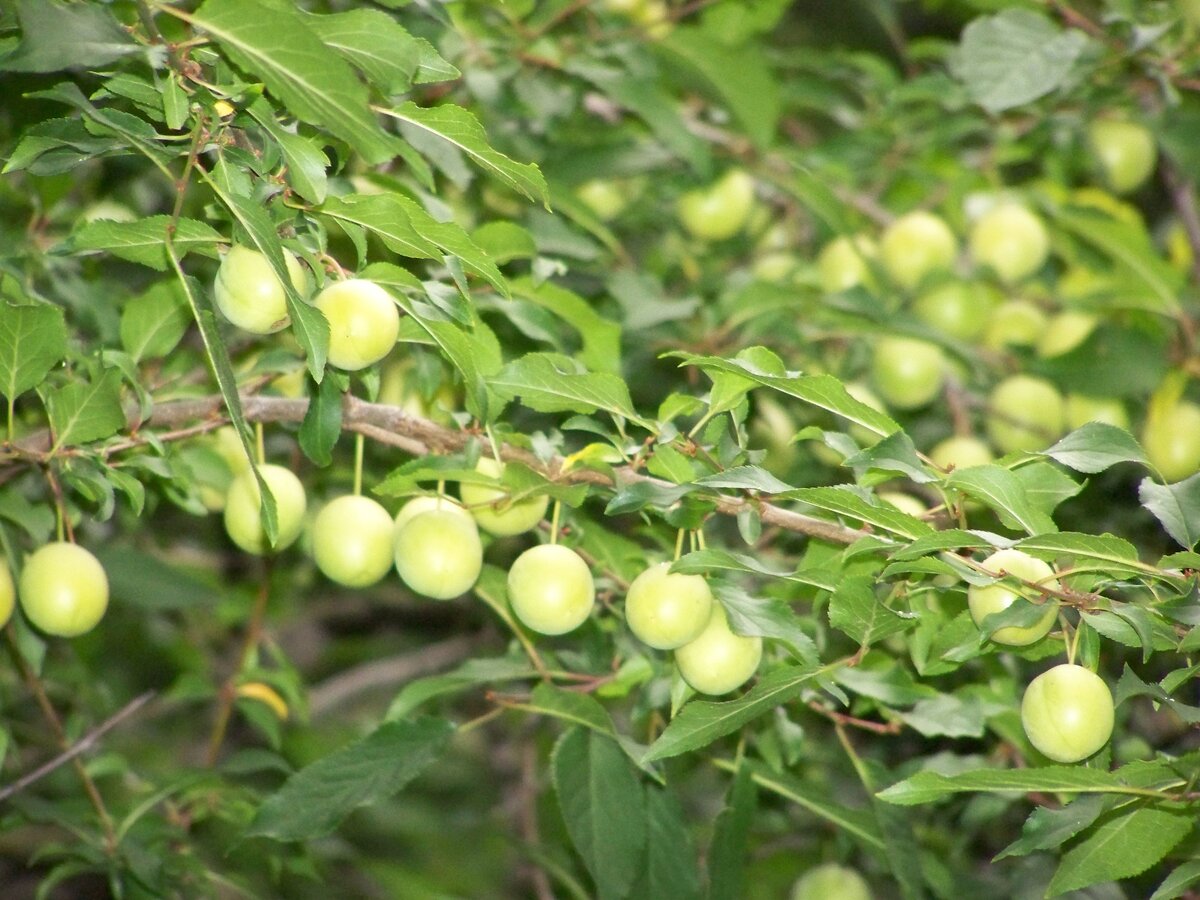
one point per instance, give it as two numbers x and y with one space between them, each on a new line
322 423
547 382
1176 506
925 787
731 836
153 323
1097 446
86 411
1127 844
33 339
305 161
855 610
670 870
846 501
56 35
374 43
144 241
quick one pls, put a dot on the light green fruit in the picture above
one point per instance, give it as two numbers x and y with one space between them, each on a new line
845 262
493 510
719 211
1025 413
438 554
1064 332
353 541
667 609
250 296
363 322
958 309
917 245
1126 152
907 372
243 509
718 661
418 505
63 589
1010 240
550 589
1081 409
1067 713
961 451
8 594
1171 438
862 435
831 882
906 503
986 600
1017 323
604 197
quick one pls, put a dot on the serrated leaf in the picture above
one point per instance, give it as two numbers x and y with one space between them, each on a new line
765 617
1114 553
460 128
1176 506
1178 881
153 323
374 43
603 806
86 411
1097 446
1127 844
145 241
548 382
894 453
315 83
314 801
950 539
33 339
601 350
925 787
1014 57
855 610
701 722
670 870
1130 685
845 501
1049 829
57 35
947 715
1000 489
745 478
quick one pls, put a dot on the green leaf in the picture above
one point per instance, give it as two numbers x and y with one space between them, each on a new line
845 501
765 617
1178 881
549 382
947 715
1049 829
603 806
1000 489
1115 554
1127 844
374 43
745 478
1097 446
153 323
315 83
742 79
314 801
146 582
1046 485
86 411
855 610
1015 57
57 35
1176 506
731 836
145 241
601 337
925 787
701 722
305 161
460 128
322 425
33 339
670 870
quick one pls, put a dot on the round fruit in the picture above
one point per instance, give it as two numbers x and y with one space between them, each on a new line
438 553
1172 441
862 435
603 197
906 503
1067 713
418 505
961 451
353 541
8 594
1017 323
63 589
243 509
363 322
491 506
719 211
831 882
1064 332
907 372
844 263
1025 413
550 589
1010 240
1125 151
984 600
958 309
916 245
249 295
1081 409
667 609
718 661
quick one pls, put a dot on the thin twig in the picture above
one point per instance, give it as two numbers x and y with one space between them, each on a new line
83 745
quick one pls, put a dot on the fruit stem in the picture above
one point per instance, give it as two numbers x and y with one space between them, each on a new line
358 463
259 444
1073 644
679 544
554 521
38 690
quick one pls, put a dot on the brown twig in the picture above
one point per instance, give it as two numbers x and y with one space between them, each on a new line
838 718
